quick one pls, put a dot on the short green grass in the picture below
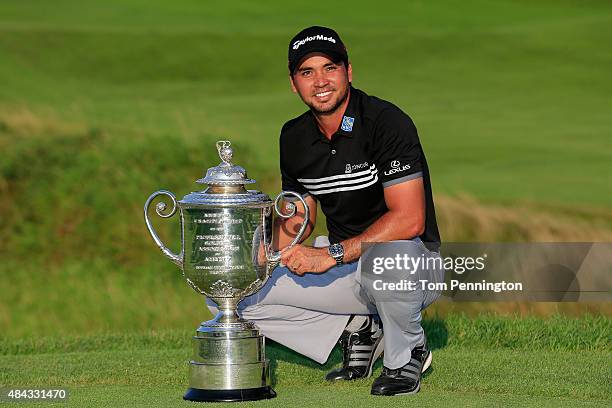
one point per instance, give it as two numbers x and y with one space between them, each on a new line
463 376
511 98
551 362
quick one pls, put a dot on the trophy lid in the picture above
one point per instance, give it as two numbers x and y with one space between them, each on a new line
226 183
226 173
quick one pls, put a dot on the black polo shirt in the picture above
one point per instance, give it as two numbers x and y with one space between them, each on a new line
376 146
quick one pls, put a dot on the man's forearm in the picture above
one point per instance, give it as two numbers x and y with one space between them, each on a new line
287 230
391 226
404 219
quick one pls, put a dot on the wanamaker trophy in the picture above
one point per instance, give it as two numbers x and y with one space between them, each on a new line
226 254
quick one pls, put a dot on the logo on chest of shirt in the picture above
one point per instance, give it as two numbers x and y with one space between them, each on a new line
347 123
352 167
396 167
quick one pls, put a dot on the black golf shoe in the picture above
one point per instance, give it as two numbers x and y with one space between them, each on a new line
404 380
360 350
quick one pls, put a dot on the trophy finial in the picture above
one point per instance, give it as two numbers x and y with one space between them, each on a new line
226 173
225 151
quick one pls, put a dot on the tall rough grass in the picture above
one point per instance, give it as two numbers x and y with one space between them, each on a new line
76 257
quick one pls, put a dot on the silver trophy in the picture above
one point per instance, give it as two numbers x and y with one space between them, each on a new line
226 255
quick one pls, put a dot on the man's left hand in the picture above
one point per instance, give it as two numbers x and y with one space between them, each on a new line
302 259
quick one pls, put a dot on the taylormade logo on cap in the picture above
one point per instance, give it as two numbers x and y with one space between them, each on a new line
318 37
315 39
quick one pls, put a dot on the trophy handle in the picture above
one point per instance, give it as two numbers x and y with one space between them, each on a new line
275 256
159 209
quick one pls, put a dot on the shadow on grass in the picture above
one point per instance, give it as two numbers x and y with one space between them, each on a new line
435 330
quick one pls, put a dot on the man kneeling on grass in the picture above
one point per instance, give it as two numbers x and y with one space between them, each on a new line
360 158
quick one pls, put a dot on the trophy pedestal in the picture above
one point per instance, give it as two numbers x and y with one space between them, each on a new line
228 364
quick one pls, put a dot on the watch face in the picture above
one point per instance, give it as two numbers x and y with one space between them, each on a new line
336 250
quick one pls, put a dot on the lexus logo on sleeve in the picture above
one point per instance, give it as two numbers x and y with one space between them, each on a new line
396 167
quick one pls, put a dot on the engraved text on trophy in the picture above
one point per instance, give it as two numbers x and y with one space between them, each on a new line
221 242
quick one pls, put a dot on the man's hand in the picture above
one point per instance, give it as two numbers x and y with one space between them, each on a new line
302 259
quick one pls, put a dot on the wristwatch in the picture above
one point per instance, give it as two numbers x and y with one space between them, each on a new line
336 251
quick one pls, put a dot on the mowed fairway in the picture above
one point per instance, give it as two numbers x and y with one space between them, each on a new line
488 361
511 98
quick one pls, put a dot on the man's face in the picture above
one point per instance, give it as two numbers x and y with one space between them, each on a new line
321 83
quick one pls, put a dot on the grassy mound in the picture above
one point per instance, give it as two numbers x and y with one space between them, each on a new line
72 199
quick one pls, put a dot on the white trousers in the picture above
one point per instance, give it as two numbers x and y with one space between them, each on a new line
309 313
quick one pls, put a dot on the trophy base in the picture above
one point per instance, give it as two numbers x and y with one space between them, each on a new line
248 394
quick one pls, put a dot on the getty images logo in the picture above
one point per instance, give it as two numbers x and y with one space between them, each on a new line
318 37
396 167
